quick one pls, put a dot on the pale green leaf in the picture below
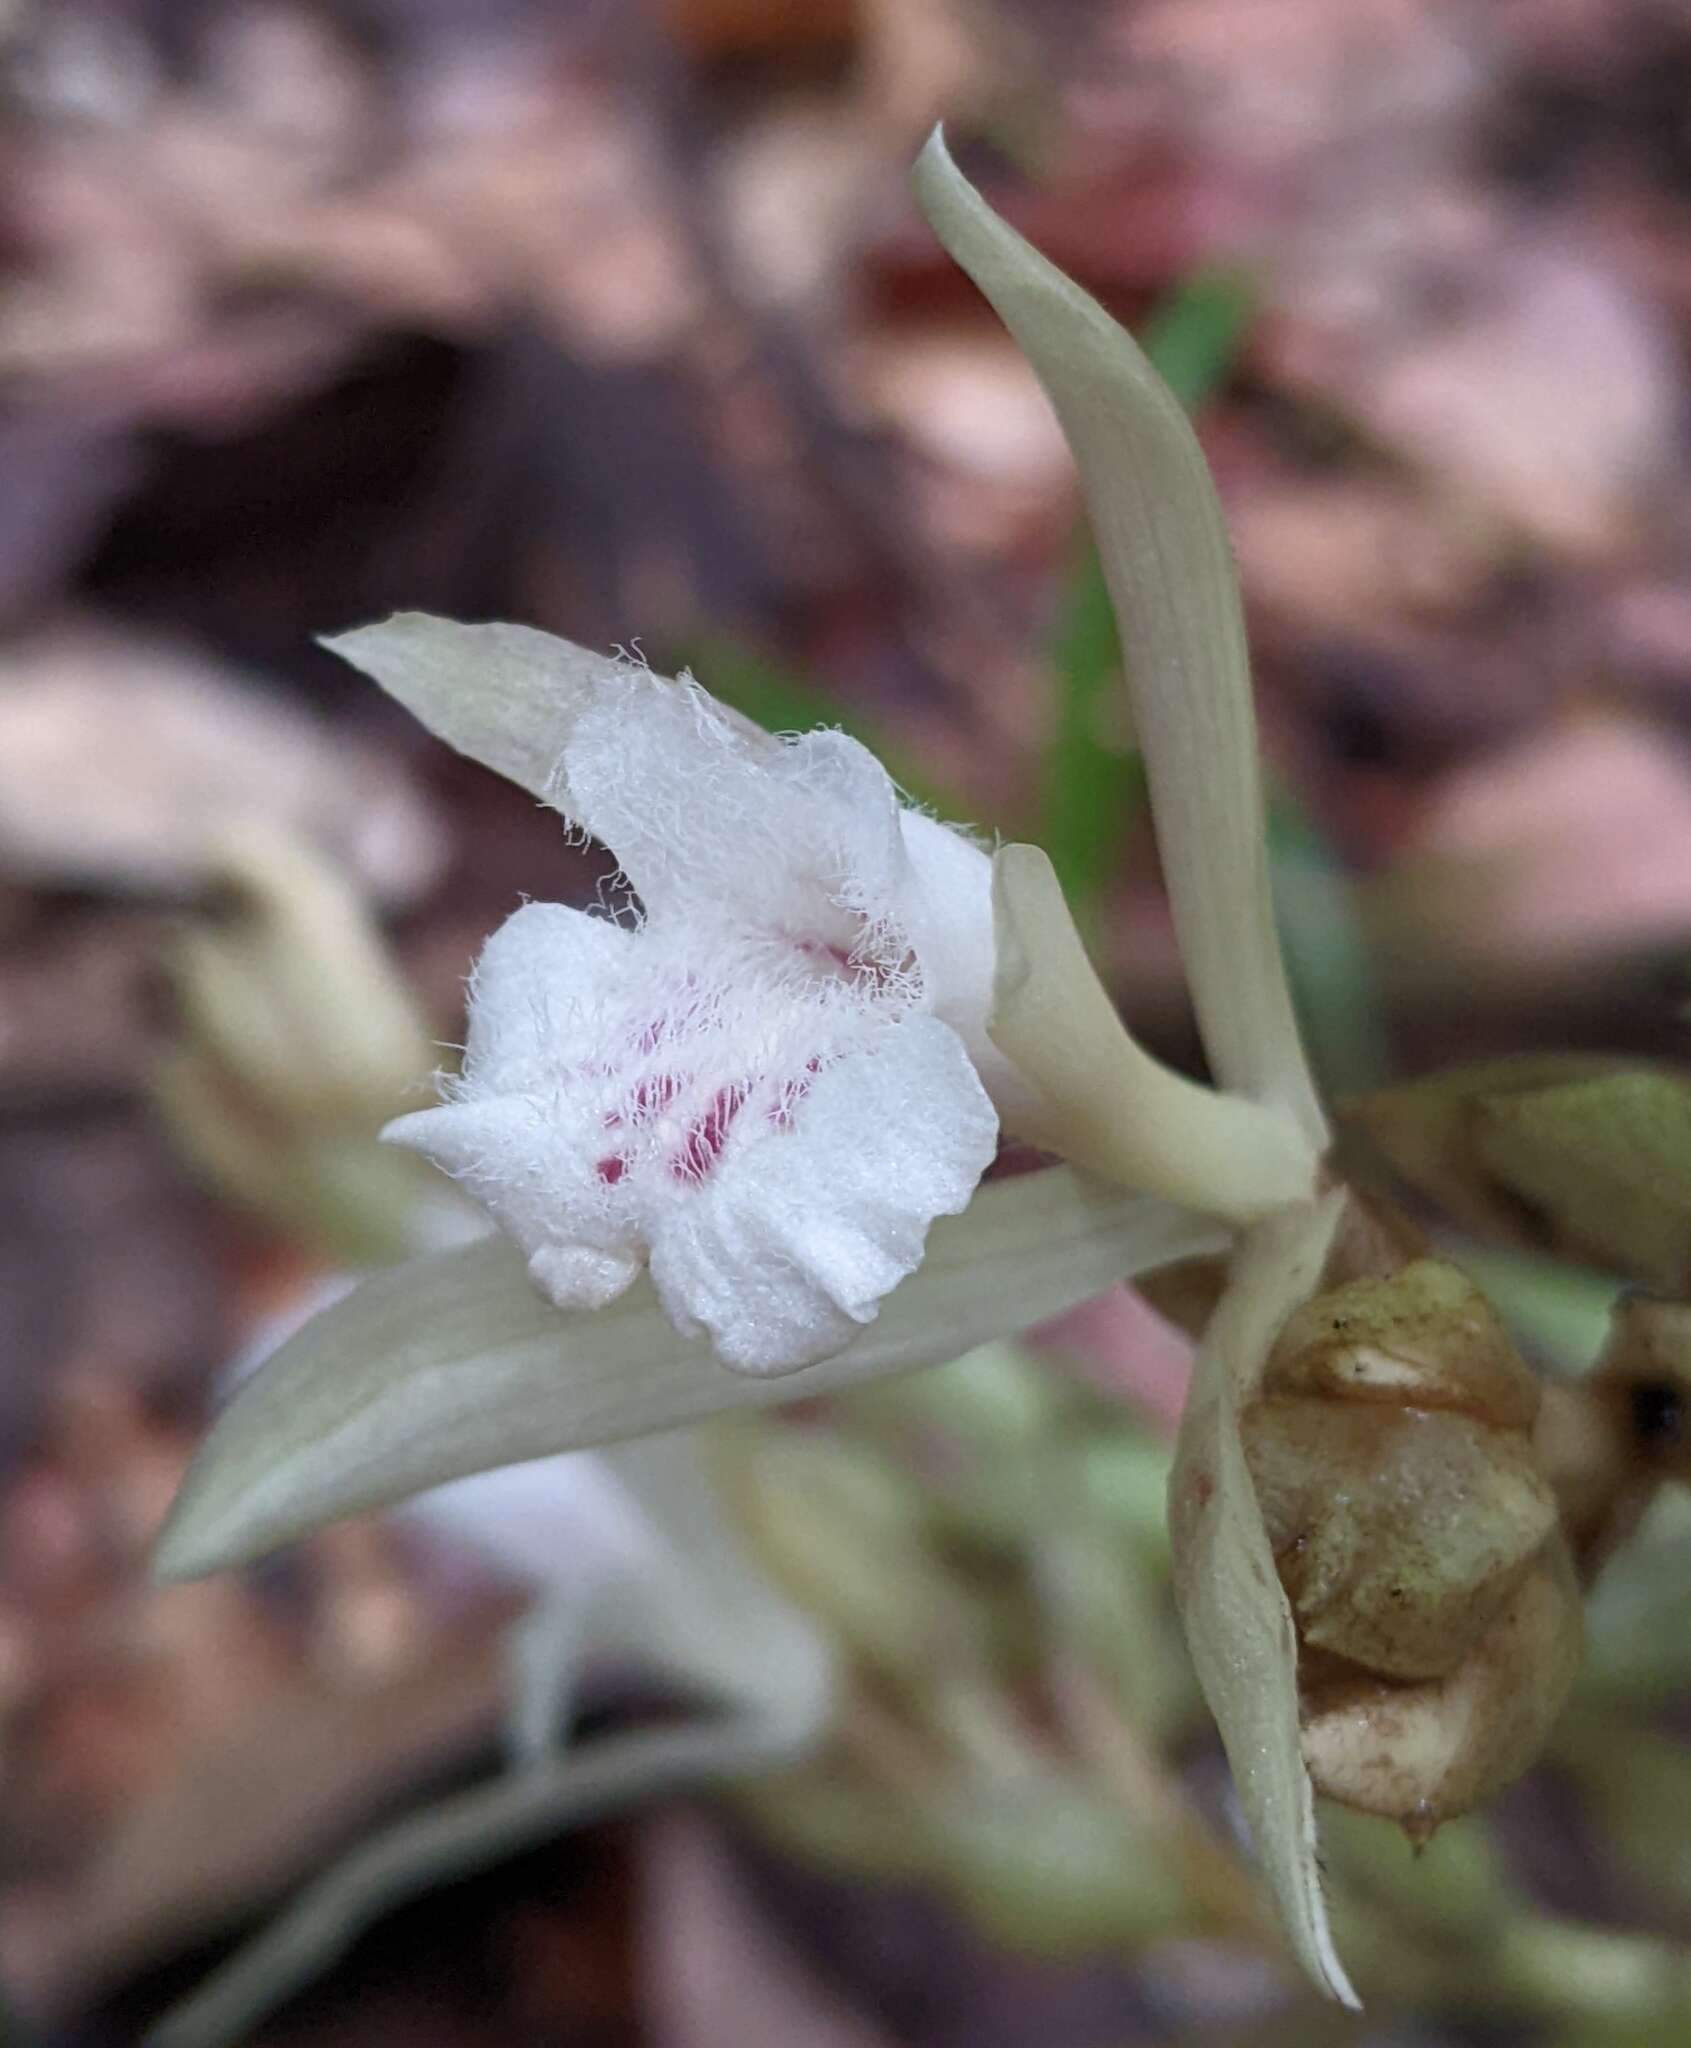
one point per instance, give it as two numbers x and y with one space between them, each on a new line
454 1364
1236 1615
1167 561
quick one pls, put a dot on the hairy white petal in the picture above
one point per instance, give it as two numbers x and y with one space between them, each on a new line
700 816
526 983
768 1087
948 913
758 1088
776 1213
795 1241
531 1172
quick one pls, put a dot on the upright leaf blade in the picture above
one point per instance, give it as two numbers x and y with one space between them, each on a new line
1170 571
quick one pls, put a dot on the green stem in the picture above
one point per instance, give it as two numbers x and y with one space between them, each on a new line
471 1832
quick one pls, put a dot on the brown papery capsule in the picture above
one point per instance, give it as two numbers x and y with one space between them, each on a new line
1416 1536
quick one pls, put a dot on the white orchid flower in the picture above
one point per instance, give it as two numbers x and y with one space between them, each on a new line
766 1087
769 1085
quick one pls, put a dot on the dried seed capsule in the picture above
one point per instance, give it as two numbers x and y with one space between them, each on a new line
1417 1540
1421 1754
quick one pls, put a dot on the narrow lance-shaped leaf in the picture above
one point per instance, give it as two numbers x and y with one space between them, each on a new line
1236 1615
1169 566
454 1364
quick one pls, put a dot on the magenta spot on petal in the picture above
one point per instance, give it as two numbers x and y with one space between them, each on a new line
792 1093
654 1094
652 1035
828 954
611 1169
702 1146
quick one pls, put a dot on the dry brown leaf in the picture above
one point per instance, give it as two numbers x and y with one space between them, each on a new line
716 1973
1571 847
123 760
246 1810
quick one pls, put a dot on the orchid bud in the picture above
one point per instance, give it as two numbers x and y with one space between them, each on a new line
298 1040
1417 1540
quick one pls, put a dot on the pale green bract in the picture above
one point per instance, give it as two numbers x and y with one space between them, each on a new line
1238 1620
